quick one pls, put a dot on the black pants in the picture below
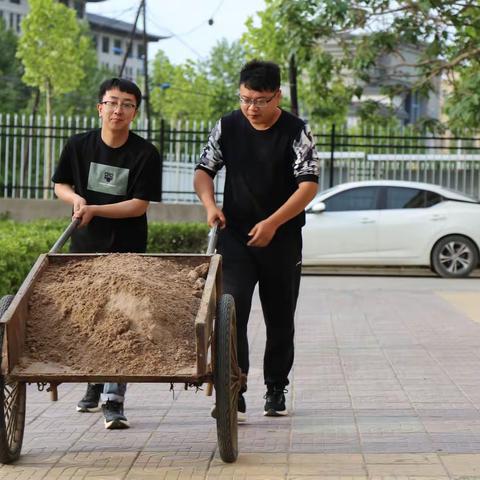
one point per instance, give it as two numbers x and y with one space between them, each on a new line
277 270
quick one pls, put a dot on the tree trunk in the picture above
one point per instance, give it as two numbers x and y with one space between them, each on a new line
292 73
48 143
26 153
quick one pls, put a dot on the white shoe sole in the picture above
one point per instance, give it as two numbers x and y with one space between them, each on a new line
275 413
241 417
116 424
89 410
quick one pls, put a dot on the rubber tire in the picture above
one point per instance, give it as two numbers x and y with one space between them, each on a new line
226 379
12 406
439 246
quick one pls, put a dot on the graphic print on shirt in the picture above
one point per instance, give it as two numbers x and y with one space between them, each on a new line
107 179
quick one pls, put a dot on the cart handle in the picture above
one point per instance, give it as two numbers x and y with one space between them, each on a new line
64 236
212 239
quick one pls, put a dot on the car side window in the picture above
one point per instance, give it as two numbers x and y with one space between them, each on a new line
401 197
364 198
432 198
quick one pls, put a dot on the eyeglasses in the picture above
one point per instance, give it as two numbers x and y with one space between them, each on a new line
256 102
111 105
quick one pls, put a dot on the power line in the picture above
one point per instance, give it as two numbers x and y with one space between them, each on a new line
207 21
175 36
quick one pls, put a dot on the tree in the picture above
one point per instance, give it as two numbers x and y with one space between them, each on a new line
445 33
222 69
54 51
203 90
14 94
323 94
179 92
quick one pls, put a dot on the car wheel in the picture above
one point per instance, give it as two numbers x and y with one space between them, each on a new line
454 256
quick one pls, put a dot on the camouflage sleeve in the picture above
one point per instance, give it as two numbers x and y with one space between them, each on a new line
306 165
211 159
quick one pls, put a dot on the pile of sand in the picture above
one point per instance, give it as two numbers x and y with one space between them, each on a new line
121 314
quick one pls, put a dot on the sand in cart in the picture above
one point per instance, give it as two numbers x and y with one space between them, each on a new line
116 314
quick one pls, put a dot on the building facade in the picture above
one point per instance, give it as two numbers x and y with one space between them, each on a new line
111 37
393 69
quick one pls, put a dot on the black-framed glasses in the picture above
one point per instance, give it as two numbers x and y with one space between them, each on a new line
113 105
256 102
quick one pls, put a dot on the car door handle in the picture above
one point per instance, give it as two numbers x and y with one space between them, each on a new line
367 220
436 218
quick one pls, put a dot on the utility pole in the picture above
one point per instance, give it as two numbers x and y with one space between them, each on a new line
130 41
146 94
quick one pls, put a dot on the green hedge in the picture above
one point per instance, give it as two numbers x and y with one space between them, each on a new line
22 243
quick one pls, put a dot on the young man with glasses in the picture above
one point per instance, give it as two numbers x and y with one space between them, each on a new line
271 175
109 176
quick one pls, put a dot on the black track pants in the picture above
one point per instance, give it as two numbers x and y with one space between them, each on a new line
277 270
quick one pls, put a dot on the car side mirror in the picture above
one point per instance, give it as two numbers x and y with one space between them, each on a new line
318 208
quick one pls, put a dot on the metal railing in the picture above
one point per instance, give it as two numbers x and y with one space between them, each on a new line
344 155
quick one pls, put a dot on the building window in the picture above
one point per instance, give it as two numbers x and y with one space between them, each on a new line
140 51
95 41
105 44
12 20
117 47
19 21
412 106
15 1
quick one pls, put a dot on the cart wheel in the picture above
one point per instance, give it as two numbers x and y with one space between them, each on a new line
226 378
12 405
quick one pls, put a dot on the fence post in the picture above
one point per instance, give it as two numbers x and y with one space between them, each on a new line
332 155
162 150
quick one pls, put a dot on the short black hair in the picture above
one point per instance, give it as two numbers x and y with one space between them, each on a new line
260 76
121 84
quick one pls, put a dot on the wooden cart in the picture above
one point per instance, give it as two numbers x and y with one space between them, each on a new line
216 357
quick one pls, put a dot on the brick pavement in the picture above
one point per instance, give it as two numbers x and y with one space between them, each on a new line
386 385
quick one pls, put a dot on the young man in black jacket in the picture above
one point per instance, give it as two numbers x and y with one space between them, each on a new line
271 175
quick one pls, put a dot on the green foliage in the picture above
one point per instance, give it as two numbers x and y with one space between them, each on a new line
443 34
20 246
203 90
14 94
22 243
222 70
463 103
187 97
53 47
83 99
177 237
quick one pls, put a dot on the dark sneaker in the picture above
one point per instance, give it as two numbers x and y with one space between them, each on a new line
275 402
241 413
89 402
114 417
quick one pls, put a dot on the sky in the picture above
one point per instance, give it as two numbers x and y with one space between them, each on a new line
187 21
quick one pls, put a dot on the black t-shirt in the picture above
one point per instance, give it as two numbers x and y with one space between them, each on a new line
263 167
103 175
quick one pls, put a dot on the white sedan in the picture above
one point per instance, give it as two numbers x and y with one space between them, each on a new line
389 222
